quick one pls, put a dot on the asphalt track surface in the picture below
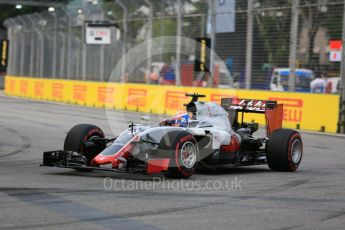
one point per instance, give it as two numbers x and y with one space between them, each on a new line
34 197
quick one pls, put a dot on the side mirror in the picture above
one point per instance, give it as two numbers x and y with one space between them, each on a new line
145 118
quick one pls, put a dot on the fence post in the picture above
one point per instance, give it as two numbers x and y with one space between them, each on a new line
54 45
213 41
341 123
42 48
101 58
84 52
69 42
31 68
124 27
77 61
11 47
249 45
69 46
293 44
16 50
101 63
149 37
63 51
178 44
23 49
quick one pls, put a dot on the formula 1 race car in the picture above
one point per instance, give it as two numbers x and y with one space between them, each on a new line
207 135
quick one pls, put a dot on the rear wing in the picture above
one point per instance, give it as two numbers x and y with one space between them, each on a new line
248 105
272 110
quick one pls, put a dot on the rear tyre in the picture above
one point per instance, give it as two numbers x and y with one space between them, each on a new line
284 150
184 155
76 137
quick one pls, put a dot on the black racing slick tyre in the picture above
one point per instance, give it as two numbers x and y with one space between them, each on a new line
284 150
184 155
80 133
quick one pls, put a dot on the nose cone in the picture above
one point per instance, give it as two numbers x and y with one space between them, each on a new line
101 160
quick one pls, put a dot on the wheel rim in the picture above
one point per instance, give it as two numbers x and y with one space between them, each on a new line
188 154
296 151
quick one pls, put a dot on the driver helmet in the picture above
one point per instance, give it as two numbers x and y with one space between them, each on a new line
181 120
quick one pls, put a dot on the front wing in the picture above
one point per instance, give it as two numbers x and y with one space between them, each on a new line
70 159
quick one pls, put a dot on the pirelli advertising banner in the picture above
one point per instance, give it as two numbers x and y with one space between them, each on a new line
3 54
314 112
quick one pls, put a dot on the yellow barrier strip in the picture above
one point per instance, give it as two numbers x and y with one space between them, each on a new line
301 110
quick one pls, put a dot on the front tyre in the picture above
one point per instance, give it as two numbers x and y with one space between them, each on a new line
79 134
284 150
185 156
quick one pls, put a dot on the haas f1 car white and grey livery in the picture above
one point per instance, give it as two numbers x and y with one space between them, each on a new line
207 135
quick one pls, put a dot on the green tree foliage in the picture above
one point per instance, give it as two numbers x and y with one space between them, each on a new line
273 21
164 10
9 11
